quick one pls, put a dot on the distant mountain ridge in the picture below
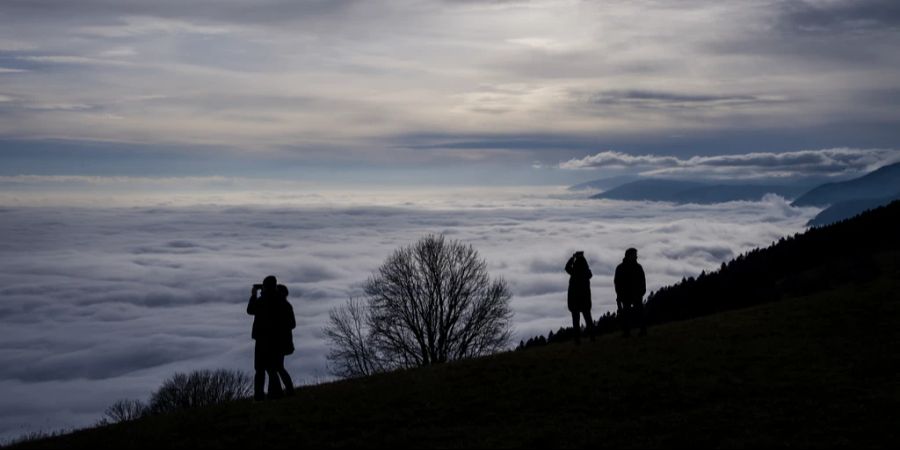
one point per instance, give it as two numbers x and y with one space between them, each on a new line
678 191
849 208
881 183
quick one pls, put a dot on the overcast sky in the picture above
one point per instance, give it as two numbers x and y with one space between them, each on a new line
436 91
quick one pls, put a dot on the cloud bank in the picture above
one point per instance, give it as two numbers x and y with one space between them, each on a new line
99 303
803 163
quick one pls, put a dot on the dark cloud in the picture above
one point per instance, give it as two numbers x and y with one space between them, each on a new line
660 99
806 36
233 11
839 17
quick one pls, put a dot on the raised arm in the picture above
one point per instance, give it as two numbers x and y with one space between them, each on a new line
570 266
253 304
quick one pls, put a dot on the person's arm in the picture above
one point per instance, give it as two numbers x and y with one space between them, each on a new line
253 304
642 281
570 265
617 282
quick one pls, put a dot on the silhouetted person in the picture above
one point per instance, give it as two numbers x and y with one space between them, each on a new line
264 306
286 322
580 294
630 288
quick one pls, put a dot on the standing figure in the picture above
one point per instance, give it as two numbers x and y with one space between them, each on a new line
630 288
579 295
264 306
287 322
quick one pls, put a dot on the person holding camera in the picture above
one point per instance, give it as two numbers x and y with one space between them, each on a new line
579 295
272 324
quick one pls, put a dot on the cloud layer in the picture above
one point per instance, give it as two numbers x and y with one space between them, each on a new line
98 303
804 163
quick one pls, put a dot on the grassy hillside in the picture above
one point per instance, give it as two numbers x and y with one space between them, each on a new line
818 371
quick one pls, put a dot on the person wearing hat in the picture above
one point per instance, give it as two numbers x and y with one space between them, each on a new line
631 285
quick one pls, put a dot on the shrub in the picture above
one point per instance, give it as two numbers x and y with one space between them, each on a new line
200 388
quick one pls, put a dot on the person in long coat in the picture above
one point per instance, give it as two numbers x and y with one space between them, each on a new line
579 295
286 323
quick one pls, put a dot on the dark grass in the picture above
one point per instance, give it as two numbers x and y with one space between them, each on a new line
816 371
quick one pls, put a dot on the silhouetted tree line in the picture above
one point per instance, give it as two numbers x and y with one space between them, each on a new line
606 323
819 259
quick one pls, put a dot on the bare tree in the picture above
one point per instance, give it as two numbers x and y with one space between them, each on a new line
123 411
353 351
429 303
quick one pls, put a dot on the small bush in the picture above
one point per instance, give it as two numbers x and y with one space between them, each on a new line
124 410
200 388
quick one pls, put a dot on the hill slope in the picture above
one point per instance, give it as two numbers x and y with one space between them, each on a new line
881 183
801 372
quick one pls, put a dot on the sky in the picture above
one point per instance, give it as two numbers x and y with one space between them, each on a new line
499 92
159 157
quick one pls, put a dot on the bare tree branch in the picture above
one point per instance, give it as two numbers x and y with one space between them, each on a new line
429 303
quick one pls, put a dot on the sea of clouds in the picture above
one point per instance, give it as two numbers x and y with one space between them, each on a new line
106 299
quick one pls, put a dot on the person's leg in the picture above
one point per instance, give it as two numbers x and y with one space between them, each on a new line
284 376
259 378
576 327
272 370
626 319
274 384
639 316
589 323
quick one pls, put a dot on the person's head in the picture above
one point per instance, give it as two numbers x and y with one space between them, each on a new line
270 283
282 291
631 254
